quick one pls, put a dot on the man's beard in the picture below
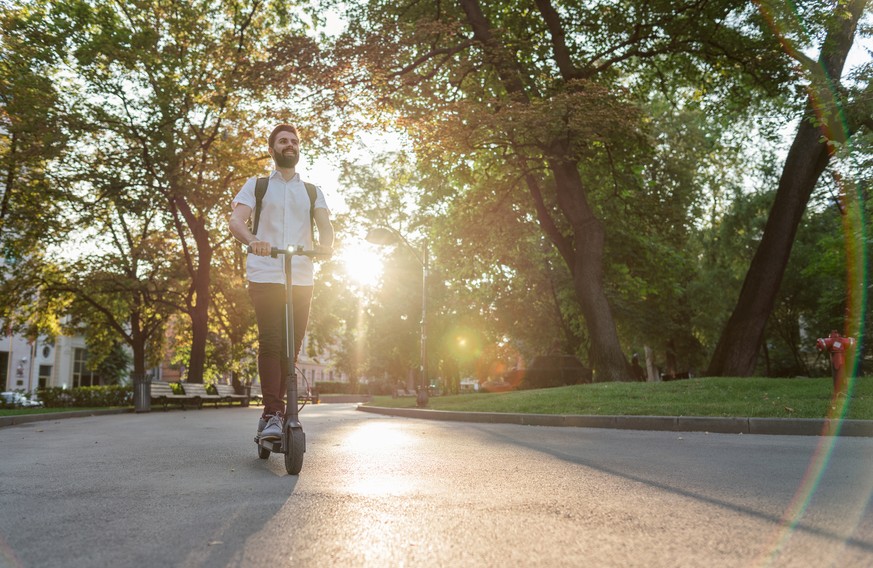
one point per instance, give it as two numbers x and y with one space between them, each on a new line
286 160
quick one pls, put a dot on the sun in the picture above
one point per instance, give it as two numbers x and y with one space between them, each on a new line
362 264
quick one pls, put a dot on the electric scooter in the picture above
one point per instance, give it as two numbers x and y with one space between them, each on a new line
293 442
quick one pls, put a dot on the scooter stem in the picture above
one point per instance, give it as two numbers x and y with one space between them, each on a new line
291 412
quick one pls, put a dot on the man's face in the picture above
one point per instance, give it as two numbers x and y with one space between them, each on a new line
286 150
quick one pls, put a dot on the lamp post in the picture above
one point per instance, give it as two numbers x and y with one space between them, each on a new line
388 236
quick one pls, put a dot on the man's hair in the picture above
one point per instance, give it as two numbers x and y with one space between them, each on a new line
281 128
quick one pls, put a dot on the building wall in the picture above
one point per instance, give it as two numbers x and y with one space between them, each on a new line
51 361
319 369
26 362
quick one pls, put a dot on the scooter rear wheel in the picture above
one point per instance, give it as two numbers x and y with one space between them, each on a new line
296 446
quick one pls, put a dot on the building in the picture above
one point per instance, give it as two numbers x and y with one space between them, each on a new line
28 365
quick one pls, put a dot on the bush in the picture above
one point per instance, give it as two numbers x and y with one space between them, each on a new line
555 371
328 387
111 395
373 388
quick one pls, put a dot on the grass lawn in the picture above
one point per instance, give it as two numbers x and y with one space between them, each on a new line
740 397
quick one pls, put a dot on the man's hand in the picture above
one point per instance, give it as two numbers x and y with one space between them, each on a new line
324 249
260 248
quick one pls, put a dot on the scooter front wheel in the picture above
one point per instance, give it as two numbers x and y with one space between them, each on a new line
263 452
296 447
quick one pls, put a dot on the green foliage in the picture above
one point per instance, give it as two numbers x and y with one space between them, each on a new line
498 98
113 395
135 151
373 388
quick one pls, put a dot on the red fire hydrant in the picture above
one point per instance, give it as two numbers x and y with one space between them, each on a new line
836 345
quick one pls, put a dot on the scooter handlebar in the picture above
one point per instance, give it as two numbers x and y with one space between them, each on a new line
294 251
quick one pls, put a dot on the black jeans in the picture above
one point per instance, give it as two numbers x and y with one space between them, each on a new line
269 302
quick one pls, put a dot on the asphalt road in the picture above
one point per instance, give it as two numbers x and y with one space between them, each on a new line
185 488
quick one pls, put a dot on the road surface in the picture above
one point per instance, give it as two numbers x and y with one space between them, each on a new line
186 488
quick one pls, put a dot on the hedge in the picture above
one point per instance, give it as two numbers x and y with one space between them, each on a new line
112 395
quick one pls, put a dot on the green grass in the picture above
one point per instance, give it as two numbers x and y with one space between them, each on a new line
21 411
740 397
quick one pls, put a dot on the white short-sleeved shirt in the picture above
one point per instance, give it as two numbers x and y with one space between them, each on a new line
284 221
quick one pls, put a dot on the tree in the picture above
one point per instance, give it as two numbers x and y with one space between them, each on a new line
536 93
177 86
32 129
381 334
809 155
119 295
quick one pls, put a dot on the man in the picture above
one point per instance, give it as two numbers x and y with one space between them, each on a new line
284 220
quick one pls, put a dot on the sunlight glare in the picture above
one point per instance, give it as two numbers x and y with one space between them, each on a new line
382 451
362 264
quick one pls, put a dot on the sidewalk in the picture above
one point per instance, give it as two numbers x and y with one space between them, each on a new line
25 418
715 425
771 426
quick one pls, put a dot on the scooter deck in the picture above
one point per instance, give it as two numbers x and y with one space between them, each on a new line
274 446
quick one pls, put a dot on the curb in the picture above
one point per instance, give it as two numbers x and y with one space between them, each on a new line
717 425
25 418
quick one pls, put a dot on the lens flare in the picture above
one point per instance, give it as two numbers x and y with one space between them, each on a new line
784 19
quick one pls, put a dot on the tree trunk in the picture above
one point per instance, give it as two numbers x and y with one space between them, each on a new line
585 260
737 348
606 356
138 345
199 297
199 314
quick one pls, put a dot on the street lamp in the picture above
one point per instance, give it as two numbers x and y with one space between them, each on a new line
388 236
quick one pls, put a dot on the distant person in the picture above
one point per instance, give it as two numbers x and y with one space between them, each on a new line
284 220
639 372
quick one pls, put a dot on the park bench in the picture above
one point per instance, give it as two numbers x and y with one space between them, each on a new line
400 393
162 393
308 395
228 394
255 395
198 392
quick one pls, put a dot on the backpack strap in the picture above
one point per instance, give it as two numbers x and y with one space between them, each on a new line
260 191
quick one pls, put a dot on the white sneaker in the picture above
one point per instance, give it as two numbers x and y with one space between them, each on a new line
273 429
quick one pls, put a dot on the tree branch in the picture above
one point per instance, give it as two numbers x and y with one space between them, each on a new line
562 243
559 44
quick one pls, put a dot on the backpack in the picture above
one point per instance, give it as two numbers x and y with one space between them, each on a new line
261 190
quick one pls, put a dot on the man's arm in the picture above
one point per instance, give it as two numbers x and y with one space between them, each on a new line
239 228
325 229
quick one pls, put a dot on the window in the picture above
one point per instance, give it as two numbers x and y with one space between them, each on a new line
82 376
45 374
4 366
